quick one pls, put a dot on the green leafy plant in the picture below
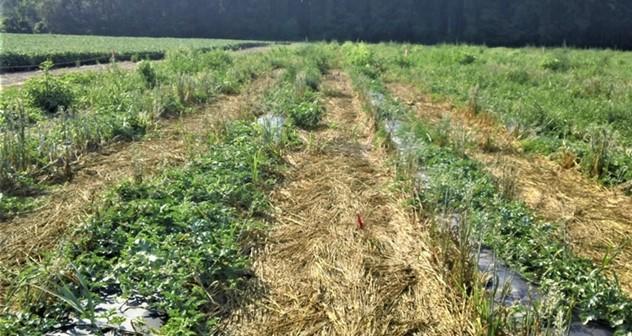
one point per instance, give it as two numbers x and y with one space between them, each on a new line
148 73
307 114
49 93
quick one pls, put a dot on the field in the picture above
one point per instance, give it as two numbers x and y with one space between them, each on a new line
27 51
334 189
574 105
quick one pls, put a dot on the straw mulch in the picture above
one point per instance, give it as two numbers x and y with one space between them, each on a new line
318 273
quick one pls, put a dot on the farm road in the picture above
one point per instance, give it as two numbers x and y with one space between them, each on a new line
18 78
318 273
596 221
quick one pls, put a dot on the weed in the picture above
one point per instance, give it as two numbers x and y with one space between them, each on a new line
507 181
520 76
474 106
467 59
596 161
48 93
308 113
148 73
553 63
489 145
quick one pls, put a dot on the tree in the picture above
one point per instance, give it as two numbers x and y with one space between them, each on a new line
600 23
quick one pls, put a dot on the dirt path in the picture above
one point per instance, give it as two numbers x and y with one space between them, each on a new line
18 78
597 221
319 274
173 142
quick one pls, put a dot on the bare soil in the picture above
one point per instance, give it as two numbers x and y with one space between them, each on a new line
318 273
596 221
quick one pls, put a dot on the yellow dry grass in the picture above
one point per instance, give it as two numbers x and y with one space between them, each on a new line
317 273
596 221
27 237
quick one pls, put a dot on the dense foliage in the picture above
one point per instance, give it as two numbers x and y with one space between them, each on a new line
581 23
175 241
178 241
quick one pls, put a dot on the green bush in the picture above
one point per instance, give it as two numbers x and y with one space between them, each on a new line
148 73
308 112
169 104
48 93
556 63
467 59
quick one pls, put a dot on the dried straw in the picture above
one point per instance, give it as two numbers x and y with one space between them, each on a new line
318 274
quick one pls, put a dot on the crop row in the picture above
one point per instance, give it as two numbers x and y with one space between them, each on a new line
52 120
22 52
175 242
451 184
573 105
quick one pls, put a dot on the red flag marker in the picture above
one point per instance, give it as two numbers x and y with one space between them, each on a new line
360 222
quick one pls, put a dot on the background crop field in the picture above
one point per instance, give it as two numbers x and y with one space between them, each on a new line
25 50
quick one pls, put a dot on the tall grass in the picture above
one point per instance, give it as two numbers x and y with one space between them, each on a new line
554 98
453 184
44 134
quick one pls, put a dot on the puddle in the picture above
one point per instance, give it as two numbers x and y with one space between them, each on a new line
509 287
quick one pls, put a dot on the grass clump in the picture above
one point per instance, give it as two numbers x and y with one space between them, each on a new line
148 73
48 93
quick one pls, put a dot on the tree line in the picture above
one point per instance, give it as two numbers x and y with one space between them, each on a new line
582 23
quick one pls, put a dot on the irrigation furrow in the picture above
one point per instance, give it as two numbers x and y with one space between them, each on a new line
345 256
